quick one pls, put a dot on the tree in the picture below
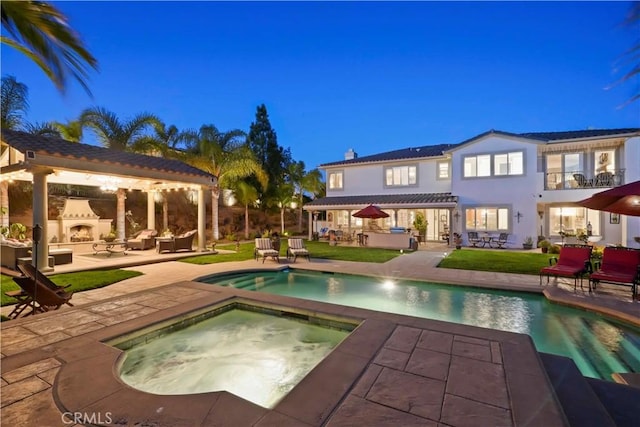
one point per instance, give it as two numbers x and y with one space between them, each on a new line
14 104
224 155
42 129
311 183
71 131
274 159
283 197
41 32
246 195
633 54
129 135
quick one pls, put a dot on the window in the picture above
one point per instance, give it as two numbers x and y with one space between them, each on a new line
443 170
487 219
335 180
508 164
573 220
503 164
401 176
605 161
561 169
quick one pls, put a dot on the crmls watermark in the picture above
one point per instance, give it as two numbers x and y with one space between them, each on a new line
87 418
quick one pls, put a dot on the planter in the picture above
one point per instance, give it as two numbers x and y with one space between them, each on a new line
527 246
544 250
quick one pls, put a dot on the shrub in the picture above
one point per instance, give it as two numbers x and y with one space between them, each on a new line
554 249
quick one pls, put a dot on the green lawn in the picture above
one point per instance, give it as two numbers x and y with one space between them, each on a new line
500 261
80 281
317 250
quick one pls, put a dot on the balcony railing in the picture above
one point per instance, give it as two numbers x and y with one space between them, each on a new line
580 180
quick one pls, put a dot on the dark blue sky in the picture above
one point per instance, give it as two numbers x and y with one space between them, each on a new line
336 75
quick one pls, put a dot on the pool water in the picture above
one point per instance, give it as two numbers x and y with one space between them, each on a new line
598 347
259 357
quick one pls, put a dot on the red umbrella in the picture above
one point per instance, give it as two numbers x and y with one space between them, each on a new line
371 211
624 200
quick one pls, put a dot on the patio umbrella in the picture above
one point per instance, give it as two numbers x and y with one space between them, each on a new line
372 212
624 200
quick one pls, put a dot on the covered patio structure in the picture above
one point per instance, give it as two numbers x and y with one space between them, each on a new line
439 210
43 160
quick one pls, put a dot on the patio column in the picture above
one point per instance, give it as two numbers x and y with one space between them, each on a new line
4 203
202 238
311 224
120 216
151 210
40 216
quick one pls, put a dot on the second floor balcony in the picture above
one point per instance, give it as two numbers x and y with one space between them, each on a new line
581 180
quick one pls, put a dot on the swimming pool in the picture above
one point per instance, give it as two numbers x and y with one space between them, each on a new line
598 347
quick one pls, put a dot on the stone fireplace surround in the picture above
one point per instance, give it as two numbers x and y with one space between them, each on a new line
77 222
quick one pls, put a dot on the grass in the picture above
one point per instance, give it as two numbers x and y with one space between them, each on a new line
80 281
317 249
498 261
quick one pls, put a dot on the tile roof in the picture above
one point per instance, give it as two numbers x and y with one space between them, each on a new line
405 153
386 200
57 147
438 150
578 134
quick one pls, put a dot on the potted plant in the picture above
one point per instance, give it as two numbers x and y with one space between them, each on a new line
420 223
544 245
527 243
457 240
109 237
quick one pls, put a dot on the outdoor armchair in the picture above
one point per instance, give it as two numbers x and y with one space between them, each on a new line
573 261
474 239
502 240
183 242
296 248
143 240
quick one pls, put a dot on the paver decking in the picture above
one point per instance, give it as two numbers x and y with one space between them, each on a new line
392 370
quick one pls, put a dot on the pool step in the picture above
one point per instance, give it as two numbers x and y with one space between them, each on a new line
580 403
621 401
588 401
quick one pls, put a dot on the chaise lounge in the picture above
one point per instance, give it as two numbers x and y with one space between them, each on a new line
620 266
573 261
265 249
296 248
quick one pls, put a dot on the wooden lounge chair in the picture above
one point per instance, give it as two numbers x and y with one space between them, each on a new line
182 242
41 294
620 266
143 240
473 238
573 261
502 240
296 248
23 299
264 249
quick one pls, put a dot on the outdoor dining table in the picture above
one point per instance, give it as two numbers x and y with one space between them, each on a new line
486 240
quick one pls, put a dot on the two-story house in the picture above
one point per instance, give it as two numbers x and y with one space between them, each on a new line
524 184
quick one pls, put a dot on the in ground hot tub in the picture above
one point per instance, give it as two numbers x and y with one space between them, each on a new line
256 353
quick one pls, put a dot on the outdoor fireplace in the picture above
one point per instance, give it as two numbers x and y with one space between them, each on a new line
77 222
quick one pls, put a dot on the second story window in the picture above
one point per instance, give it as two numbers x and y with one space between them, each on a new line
401 176
501 164
443 170
335 181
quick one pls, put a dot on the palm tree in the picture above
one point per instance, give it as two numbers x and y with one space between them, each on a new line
283 197
41 32
129 135
313 184
71 131
42 129
226 156
247 195
14 104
